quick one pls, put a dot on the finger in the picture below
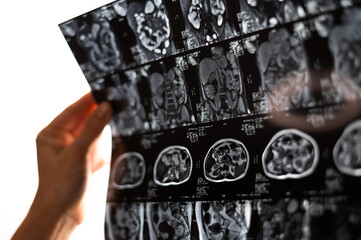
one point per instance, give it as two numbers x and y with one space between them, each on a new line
93 128
73 118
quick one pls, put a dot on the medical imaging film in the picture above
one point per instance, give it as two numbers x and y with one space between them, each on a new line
232 119
223 219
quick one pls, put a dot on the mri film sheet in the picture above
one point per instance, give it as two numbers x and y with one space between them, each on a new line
232 119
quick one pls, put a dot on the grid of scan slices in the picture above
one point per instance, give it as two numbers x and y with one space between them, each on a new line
196 86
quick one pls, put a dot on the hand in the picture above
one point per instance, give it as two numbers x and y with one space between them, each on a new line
66 151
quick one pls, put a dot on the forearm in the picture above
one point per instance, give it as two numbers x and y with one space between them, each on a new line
45 223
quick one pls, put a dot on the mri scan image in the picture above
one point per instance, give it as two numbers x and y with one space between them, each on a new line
223 220
317 6
260 14
128 171
124 221
347 222
170 101
222 87
347 151
150 23
227 160
285 219
206 22
290 154
173 166
282 62
169 220
344 43
93 34
129 113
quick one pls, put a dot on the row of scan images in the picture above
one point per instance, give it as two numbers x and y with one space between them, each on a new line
210 85
290 154
125 34
296 219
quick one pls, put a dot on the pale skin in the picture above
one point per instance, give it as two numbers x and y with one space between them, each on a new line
67 157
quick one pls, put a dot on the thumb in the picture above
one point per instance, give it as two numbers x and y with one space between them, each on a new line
93 127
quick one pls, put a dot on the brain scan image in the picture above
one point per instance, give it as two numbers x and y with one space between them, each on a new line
347 151
173 166
206 21
170 101
124 221
282 62
98 41
290 154
227 160
129 114
344 43
223 220
259 14
317 6
128 171
222 88
150 23
286 219
169 220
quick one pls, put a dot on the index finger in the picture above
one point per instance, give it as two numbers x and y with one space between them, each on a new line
73 118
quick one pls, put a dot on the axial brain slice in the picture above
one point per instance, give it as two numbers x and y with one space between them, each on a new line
290 154
347 151
173 166
226 160
128 171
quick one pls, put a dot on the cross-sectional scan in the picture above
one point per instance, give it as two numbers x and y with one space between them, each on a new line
345 44
223 220
290 154
347 222
347 151
173 166
129 113
282 62
171 105
151 25
99 52
318 6
128 171
124 221
227 160
222 87
206 21
257 14
169 220
285 219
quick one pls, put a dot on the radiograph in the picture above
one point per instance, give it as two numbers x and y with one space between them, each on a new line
150 23
170 100
282 62
173 166
206 22
222 87
227 160
169 220
223 220
124 221
347 151
290 154
128 171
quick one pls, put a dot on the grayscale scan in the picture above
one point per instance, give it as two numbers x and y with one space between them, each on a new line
233 119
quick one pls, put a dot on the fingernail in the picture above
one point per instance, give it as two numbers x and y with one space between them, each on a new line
102 110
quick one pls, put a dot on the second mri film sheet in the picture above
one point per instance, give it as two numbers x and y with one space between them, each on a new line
233 119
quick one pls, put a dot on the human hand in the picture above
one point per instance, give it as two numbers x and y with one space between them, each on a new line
67 156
